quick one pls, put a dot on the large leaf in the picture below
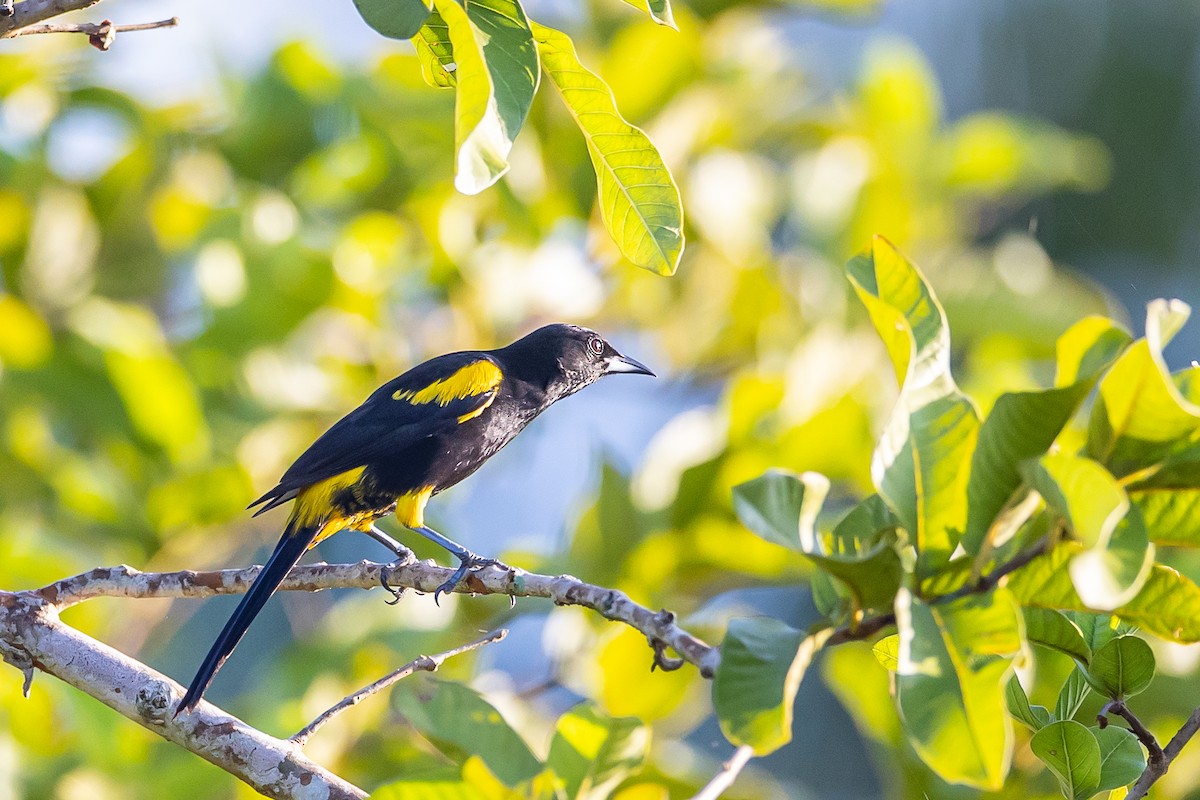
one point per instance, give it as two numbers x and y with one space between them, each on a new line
497 75
592 752
922 463
638 198
954 663
462 723
1118 556
1168 603
1023 425
782 508
1172 516
396 19
1072 753
762 663
1141 413
1122 759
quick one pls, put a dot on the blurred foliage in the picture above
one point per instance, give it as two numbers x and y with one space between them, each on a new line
189 301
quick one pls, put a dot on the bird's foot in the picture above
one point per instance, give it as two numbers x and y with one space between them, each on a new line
468 563
386 572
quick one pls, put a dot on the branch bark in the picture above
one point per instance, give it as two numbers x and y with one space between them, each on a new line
31 12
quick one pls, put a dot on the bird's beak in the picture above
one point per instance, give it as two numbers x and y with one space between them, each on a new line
619 363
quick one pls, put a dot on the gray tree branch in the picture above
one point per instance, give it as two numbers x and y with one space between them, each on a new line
31 12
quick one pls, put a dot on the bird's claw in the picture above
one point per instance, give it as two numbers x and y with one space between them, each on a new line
384 574
468 562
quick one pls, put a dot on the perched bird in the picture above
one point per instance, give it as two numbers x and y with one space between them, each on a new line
413 437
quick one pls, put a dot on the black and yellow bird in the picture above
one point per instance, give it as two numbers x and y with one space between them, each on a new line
413 437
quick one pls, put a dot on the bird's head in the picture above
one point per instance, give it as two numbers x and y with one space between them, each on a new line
573 357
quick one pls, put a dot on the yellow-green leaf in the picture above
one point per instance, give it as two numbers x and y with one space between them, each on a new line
638 198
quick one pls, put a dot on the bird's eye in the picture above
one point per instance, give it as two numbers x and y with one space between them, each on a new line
596 345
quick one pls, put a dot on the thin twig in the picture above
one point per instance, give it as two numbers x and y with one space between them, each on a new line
1135 725
728 774
1156 769
100 35
419 664
988 582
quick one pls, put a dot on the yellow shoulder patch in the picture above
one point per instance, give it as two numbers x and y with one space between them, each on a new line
478 377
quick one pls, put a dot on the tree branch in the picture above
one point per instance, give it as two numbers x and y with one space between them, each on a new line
728 774
418 664
31 12
659 627
276 768
100 35
1156 767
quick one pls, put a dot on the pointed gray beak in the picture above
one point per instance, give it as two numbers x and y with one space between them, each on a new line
619 363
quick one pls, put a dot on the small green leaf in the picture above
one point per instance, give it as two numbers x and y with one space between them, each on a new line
1023 425
592 752
922 463
1122 668
1072 754
1052 629
762 663
1074 691
782 507
638 198
395 19
1122 759
1168 604
954 663
887 651
462 723
1033 717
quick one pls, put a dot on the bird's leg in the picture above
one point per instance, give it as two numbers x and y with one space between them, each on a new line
403 556
468 560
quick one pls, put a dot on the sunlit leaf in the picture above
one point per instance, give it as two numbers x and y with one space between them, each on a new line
592 753
1023 425
659 11
762 664
922 463
638 198
887 652
1074 691
1172 516
782 507
396 19
436 52
1072 754
954 663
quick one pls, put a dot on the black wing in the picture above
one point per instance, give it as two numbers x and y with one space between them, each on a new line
429 399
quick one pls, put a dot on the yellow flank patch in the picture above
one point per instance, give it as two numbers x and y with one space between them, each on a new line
478 377
314 503
410 507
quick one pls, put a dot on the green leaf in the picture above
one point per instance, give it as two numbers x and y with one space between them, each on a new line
762 663
659 11
1072 753
922 463
954 663
1111 571
1074 691
1052 629
1141 412
497 75
448 787
782 507
1023 425
887 651
1122 668
592 752
1122 759
1168 604
1033 717
638 198
395 19
436 52
460 722
1172 516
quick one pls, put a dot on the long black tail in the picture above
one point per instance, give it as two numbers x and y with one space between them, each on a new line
293 544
